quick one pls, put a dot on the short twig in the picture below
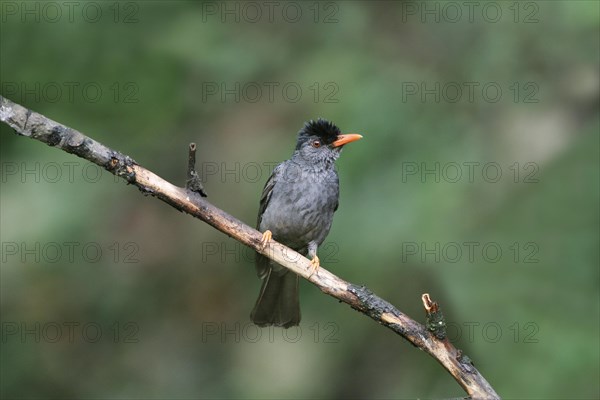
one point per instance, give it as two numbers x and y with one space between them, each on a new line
193 182
436 323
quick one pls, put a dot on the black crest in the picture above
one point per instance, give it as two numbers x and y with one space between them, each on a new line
323 129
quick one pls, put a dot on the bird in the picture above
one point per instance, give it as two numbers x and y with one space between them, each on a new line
296 209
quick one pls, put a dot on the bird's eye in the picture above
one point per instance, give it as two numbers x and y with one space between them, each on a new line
316 144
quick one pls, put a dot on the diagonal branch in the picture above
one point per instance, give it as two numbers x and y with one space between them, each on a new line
431 339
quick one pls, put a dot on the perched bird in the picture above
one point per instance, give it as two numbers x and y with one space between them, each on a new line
296 209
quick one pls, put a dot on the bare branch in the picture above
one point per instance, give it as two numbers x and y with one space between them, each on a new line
431 339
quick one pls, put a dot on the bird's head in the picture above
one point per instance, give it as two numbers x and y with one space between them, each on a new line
322 141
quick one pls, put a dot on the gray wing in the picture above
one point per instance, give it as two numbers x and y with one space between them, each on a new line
263 263
267 192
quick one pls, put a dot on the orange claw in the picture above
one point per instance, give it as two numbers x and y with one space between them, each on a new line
314 265
266 238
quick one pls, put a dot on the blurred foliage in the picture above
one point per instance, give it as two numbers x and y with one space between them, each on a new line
531 328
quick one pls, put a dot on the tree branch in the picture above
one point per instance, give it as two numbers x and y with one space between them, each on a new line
432 339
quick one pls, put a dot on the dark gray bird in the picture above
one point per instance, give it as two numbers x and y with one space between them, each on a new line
296 209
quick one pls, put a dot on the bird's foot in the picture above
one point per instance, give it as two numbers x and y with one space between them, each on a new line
314 265
266 238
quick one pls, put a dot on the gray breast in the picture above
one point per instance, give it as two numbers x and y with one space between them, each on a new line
301 207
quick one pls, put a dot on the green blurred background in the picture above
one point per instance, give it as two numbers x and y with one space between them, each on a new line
158 303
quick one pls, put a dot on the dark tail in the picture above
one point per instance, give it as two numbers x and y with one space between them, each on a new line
278 302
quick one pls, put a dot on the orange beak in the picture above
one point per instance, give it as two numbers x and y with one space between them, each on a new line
347 138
